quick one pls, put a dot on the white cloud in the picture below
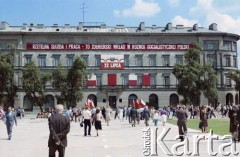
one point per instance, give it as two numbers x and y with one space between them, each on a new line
139 9
202 8
174 3
223 16
225 22
211 14
178 20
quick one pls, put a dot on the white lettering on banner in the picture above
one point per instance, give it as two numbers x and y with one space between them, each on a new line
115 65
101 47
138 47
119 47
112 65
74 46
183 47
57 46
40 46
106 65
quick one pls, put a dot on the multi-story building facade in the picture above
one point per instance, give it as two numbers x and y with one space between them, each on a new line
126 62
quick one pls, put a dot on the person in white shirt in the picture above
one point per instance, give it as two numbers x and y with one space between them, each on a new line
86 115
98 120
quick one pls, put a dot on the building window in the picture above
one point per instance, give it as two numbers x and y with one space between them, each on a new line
126 60
210 44
139 80
228 61
227 45
56 60
98 60
235 61
125 80
153 80
228 81
28 59
70 61
234 46
139 61
99 80
211 60
152 60
85 59
166 81
179 59
42 60
166 60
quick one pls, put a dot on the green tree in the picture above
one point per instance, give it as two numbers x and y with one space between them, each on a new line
69 82
235 75
33 83
8 88
195 78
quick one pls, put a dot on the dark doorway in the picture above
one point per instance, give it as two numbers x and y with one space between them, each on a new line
112 101
173 100
131 98
27 104
153 101
229 99
49 103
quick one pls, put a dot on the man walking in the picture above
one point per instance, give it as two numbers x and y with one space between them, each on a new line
59 127
146 115
87 115
9 119
182 116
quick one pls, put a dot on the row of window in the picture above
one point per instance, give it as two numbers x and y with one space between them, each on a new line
139 81
211 59
214 45
56 60
139 60
153 80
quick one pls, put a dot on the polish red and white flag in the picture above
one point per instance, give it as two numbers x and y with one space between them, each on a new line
139 103
132 80
89 103
92 81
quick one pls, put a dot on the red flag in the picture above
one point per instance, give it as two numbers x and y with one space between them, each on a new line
136 103
89 103
142 103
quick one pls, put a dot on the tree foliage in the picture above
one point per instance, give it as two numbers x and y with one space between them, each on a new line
8 88
34 83
235 75
194 78
69 82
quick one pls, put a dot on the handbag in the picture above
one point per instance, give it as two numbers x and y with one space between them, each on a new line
81 124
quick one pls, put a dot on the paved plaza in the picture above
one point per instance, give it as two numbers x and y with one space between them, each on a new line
120 139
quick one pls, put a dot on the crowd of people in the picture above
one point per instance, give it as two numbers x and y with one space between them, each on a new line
90 116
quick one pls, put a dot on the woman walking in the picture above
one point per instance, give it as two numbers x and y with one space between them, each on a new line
98 120
108 115
164 116
234 122
9 119
203 117
155 118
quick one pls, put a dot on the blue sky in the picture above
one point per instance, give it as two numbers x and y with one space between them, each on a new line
226 13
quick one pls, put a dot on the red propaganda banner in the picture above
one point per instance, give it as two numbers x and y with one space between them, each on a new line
86 47
112 66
